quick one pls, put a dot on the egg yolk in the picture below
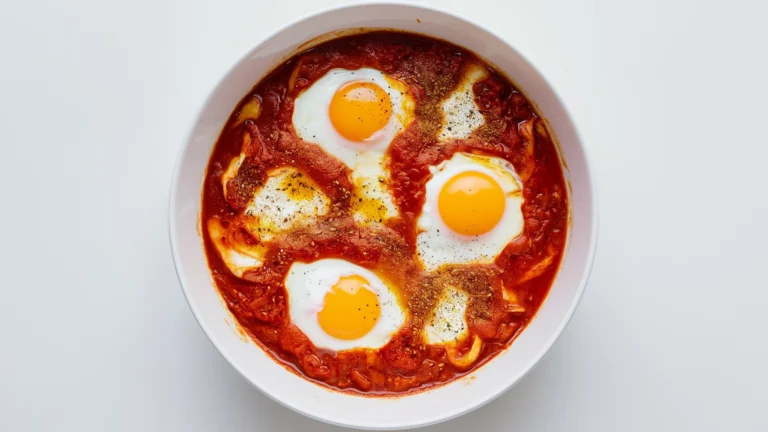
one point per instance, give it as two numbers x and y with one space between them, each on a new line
359 109
471 203
350 309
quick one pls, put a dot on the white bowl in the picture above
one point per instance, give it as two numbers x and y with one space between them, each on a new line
442 403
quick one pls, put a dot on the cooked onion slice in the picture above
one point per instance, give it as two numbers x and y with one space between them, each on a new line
237 255
465 361
513 302
250 111
537 269
529 163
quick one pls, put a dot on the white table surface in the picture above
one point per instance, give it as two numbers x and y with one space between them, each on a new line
671 97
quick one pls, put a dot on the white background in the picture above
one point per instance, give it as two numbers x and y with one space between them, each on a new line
670 96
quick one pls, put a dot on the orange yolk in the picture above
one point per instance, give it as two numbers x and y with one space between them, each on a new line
471 203
359 109
350 309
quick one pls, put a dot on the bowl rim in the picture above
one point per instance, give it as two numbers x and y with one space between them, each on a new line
173 201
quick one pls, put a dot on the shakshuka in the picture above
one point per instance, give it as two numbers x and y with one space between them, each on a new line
384 213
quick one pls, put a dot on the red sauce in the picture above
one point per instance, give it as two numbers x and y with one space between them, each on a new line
526 268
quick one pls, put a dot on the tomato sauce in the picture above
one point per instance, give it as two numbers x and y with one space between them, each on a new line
504 295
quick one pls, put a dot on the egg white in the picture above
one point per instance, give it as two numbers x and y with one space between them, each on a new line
461 115
286 201
437 244
448 322
373 201
307 285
